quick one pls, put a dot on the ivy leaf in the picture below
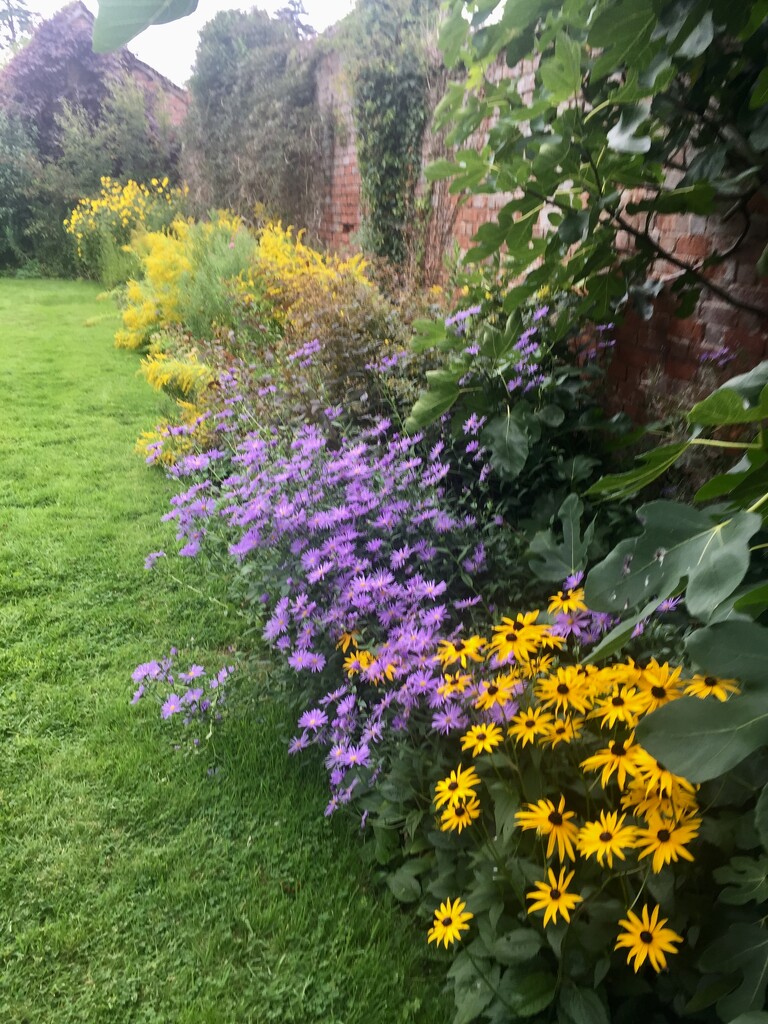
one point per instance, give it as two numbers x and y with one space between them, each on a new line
654 465
561 74
118 22
746 878
695 739
732 650
743 948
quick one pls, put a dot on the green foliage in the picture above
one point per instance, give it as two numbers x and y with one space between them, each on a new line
253 134
119 22
664 99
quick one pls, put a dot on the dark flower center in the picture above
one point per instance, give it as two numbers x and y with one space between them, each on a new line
658 692
555 894
646 937
606 837
618 749
710 681
555 818
563 688
530 723
481 736
560 729
617 701
447 922
453 786
511 635
460 811
492 690
664 835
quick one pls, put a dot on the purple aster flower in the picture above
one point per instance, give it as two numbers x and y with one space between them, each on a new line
449 720
152 557
138 694
571 582
313 719
669 604
149 670
298 743
171 707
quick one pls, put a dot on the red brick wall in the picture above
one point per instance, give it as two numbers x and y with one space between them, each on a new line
340 214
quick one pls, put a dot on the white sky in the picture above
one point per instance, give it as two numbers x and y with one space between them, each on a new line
170 49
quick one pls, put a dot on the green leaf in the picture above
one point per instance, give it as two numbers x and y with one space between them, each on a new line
702 739
508 445
561 74
554 561
118 21
404 885
620 634
699 39
655 463
760 92
743 948
517 947
677 542
746 878
526 994
732 650
622 137
519 14
755 1017
453 34
432 403
440 169
761 817
726 406
582 1006
749 384
697 198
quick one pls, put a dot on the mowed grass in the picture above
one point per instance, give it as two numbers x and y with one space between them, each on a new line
139 884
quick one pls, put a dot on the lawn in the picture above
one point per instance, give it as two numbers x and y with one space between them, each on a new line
137 883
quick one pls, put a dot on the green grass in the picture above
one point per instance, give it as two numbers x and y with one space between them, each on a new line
134 885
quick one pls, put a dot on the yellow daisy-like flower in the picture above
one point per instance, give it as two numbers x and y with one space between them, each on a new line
666 840
618 756
535 666
625 704
456 817
570 601
646 938
527 725
456 683
450 921
606 837
465 650
656 777
459 785
482 738
357 661
347 639
660 684
711 686
676 805
565 691
554 822
553 898
563 730
519 637
496 691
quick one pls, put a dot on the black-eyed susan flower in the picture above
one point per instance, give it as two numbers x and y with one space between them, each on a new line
710 686
450 921
606 837
645 937
563 730
666 839
356 662
496 691
469 650
459 785
519 637
346 640
656 777
454 683
618 756
675 804
566 690
553 822
570 601
535 666
482 738
456 817
624 704
527 725
660 684
553 898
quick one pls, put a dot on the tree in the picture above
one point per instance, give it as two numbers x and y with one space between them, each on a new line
16 22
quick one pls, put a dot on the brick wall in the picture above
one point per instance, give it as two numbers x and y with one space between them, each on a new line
665 343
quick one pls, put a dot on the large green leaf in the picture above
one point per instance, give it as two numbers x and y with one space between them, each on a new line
746 879
743 948
702 739
561 74
726 405
432 403
119 21
526 993
654 464
614 640
582 1006
678 542
508 444
732 650
553 560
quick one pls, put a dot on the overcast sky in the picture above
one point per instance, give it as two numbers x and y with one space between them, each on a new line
170 49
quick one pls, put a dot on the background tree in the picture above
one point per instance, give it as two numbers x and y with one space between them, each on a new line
16 23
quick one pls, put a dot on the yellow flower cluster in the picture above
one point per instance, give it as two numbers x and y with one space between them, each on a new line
524 701
120 209
178 377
